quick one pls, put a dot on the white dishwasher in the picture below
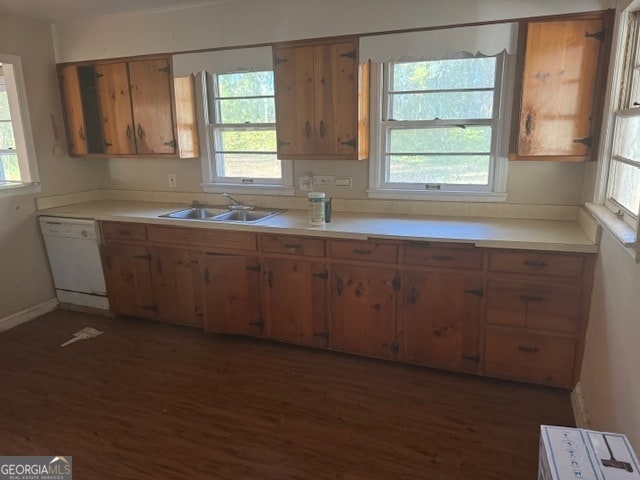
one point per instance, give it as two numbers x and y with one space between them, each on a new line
73 247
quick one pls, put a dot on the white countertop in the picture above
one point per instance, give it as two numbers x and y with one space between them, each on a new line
556 235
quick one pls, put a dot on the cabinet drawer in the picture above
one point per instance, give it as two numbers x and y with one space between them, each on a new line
534 306
469 258
530 357
118 231
202 237
293 245
365 251
537 263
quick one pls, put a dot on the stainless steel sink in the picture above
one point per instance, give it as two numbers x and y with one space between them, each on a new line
197 213
223 214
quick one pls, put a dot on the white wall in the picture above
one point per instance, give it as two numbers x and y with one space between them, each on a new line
245 22
610 374
25 280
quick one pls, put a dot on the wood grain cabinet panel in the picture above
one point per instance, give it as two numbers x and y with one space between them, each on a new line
295 301
73 112
124 231
530 357
564 64
364 251
292 245
363 310
441 322
322 100
432 255
537 263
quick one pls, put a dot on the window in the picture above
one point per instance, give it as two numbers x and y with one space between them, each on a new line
438 130
17 155
623 186
241 133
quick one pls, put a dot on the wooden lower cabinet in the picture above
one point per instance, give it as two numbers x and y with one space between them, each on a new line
530 356
363 303
175 281
295 301
231 294
441 319
128 278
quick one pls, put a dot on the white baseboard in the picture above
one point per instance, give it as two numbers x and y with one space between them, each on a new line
29 314
580 413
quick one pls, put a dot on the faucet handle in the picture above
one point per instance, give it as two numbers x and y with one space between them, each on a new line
196 203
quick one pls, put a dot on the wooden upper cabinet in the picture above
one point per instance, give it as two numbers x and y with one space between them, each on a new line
561 75
322 100
127 107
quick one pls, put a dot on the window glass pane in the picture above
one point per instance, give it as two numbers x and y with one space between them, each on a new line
442 105
5 114
627 145
440 140
7 141
247 141
9 169
249 165
444 74
626 186
257 110
245 84
451 169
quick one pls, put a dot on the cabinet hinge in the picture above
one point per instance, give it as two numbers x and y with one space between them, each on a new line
143 257
324 334
395 348
171 143
324 275
282 143
278 60
98 75
257 323
597 35
254 268
478 292
350 143
351 54
153 308
587 141
166 69
396 283
472 358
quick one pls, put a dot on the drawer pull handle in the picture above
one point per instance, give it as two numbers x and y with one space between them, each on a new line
534 263
362 252
293 246
526 349
124 232
445 258
531 298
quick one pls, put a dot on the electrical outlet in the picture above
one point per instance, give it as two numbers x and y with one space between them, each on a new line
344 182
305 183
172 180
322 179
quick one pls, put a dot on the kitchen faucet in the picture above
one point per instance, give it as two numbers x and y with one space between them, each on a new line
237 204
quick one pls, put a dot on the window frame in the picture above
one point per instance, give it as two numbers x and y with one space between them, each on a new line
211 129
494 191
21 123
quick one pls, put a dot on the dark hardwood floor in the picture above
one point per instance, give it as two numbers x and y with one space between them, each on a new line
152 401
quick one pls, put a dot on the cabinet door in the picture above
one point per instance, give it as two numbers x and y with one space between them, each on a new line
115 108
294 98
74 116
559 82
128 279
336 98
150 82
441 319
295 300
363 310
176 285
231 294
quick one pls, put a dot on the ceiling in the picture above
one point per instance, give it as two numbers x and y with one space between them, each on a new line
57 10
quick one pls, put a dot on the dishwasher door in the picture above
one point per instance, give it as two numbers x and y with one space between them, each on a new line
74 256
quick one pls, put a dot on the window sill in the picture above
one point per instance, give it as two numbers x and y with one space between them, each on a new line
248 189
8 190
437 196
620 230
